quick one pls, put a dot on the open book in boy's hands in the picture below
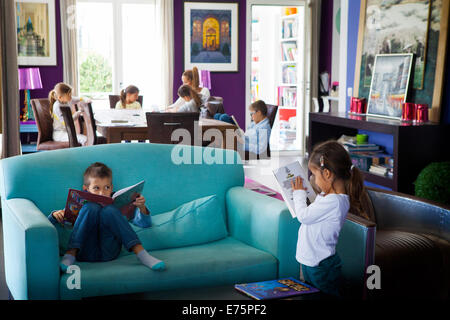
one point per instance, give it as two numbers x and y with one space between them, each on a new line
122 199
285 175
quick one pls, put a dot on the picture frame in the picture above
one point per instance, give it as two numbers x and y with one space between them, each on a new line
36 32
390 83
434 73
211 33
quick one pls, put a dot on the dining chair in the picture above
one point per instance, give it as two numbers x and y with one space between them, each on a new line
70 126
44 123
113 99
89 121
161 126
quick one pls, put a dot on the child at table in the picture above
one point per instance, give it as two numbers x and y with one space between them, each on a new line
99 232
191 78
61 95
342 189
192 100
128 98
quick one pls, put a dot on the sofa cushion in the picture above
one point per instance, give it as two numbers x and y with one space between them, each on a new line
227 261
196 222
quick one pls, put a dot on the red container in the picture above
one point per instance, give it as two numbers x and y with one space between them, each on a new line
408 111
358 105
421 113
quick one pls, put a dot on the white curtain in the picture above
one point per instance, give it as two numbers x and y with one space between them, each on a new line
69 43
164 12
9 80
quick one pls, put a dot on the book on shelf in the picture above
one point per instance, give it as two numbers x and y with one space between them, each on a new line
363 160
289 74
289 28
122 199
384 170
287 96
362 148
285 175
275 289
289 51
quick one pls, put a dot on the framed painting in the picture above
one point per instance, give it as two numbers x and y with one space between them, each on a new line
36 37
400 27
389 86
211 36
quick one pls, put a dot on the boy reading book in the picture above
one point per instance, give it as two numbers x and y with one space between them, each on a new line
99 232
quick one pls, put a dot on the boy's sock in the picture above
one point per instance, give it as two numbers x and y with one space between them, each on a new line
66 261
150 261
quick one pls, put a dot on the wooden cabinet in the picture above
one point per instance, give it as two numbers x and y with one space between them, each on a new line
414 145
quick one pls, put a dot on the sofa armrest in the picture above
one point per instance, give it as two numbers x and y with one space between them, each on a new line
30 251
399 211
266 224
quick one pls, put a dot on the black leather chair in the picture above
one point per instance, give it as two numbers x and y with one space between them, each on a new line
412 246
161 126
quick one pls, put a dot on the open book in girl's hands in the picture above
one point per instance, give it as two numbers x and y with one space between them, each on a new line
122 199
285 175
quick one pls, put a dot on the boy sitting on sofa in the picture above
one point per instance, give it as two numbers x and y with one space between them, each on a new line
99 232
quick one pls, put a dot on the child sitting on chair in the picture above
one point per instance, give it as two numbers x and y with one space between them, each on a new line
129 99
99 232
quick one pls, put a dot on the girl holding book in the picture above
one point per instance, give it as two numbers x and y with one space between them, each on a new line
342 189
191 78
192 100
61 95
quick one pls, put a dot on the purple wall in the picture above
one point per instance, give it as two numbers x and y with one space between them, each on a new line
50 75
229 85
326 37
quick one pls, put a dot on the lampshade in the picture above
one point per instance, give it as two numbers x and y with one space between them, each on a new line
29 79
205 79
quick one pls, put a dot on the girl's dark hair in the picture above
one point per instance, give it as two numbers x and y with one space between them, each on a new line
59 90
193 77
123 93
332 155
187 91
96 170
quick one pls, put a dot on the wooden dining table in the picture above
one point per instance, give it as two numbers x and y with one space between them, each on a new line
119 125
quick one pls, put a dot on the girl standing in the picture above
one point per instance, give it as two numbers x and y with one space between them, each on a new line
342 189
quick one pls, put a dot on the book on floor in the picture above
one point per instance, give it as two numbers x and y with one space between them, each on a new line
285 175
275 289
122 199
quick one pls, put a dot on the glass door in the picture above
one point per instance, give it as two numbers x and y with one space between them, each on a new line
276 53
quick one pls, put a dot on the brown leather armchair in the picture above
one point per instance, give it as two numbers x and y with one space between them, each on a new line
70 126
114 98
44 122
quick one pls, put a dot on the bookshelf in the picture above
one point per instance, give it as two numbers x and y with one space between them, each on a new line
414 145
287 89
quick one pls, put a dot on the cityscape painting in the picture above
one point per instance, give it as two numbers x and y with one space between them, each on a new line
36 32
389 86
211 36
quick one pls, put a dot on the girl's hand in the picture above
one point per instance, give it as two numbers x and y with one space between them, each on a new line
140 203
59 215
297 184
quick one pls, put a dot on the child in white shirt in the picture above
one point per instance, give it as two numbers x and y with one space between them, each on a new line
191 78
61 95
342 189
129 99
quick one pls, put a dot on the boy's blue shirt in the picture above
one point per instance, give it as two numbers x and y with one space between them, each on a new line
257 136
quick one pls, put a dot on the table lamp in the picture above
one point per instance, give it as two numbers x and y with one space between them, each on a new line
205 79
29 79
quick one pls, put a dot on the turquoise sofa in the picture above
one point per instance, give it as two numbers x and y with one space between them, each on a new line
244 237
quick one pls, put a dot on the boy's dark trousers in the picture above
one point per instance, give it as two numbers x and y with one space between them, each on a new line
99 233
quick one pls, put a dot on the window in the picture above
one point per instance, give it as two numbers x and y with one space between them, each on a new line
117 47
